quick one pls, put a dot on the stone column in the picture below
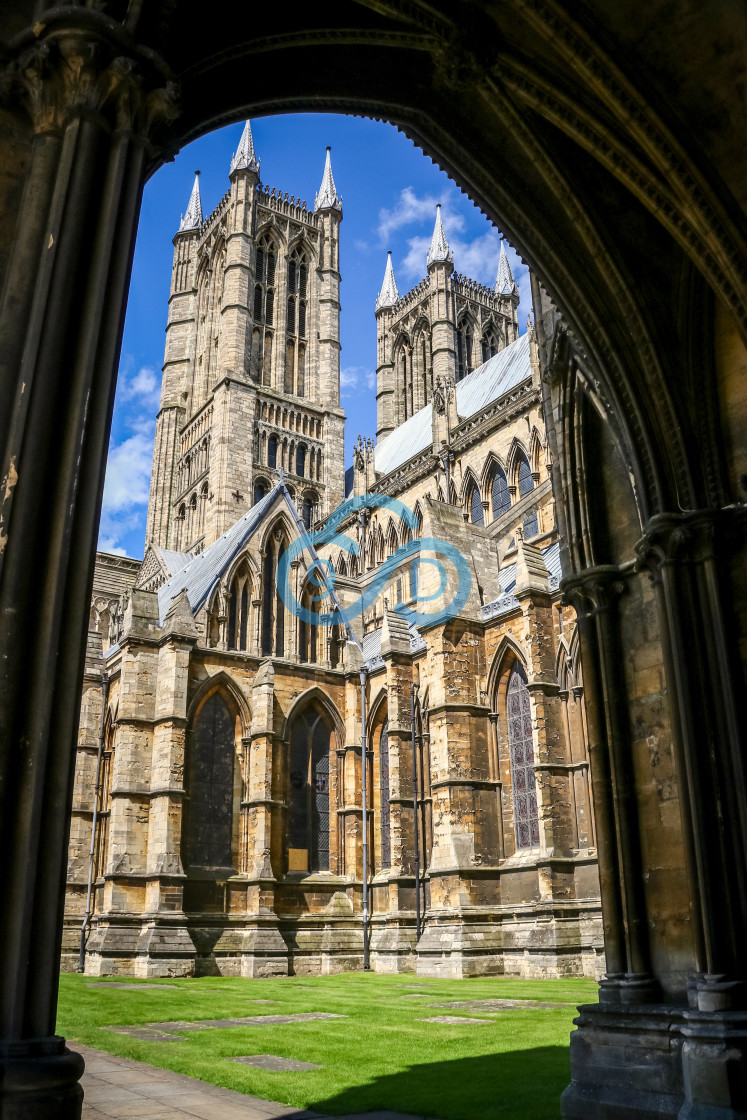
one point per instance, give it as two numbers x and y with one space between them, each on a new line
264 952
90 96
393 937
165 947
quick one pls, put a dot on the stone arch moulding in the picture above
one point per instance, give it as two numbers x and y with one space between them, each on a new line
507 649
222 682
375 708
311 695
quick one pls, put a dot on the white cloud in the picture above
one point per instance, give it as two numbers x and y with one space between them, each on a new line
108 544
410 209
128 473
354 379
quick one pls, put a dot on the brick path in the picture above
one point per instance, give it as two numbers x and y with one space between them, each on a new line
122 1089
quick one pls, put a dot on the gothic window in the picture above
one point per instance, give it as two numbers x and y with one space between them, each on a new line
300 459
307 512
273 608
239 601
208 832
475 507
386 840
308 816
260 489
308 632
272 451
521 750
489 343
295 326
465 343
526 485
500 497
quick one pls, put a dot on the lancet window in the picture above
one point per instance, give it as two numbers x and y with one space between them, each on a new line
500 495
273 607
209 809
465 339
309 793
526 485
521 750
239 610
385 816
264 309
477 516
295 346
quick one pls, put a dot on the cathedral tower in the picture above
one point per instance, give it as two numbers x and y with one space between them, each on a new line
251 375
440 330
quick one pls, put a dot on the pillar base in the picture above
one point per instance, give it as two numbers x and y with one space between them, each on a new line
39 1080
656 1061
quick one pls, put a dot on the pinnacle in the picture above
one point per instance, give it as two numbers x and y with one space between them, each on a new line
193 217
245 157
327 197
388 295
505 285
439 250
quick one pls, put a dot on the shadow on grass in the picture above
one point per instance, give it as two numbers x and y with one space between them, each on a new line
512 1085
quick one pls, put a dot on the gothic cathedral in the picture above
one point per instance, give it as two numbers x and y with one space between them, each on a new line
226 740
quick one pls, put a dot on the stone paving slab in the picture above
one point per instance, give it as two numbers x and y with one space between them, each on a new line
119 1088
172 1030
134 987
500 1004
274 1063
453 1020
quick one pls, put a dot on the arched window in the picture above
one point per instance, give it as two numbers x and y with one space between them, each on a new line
521 750
301 459
386 839
489 343
208 832
272 451
475 508
295 325
500 496
308 815
260 489
307 512
273 607
465 343
526 485
239 603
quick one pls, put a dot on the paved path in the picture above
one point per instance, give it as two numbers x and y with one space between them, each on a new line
120 1089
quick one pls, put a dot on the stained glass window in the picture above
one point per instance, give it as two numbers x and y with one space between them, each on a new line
521 748
500 498
476 512
209 815
386 841
308 817
526 485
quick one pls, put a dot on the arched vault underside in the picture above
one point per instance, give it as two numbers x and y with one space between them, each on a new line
608 143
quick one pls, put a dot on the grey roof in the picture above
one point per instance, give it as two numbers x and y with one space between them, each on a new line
174 561
550 558
499 375
199 577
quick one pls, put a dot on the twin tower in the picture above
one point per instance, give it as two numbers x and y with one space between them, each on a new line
251 375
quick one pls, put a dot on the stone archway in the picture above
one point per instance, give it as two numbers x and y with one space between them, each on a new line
587 141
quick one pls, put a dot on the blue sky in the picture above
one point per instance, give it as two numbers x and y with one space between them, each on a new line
389 193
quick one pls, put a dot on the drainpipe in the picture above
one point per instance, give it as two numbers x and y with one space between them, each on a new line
94 824
415 811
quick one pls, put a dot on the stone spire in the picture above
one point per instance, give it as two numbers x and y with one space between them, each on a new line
505 285
327 197
245 158
193 218
439 250
388 295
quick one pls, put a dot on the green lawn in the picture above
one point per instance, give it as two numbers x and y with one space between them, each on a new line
379 1057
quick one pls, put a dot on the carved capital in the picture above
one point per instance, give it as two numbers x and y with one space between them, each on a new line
93 69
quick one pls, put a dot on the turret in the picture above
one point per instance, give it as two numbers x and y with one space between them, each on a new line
440 263
385 387
328 205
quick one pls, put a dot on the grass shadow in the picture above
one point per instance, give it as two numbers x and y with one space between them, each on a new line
513 1085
